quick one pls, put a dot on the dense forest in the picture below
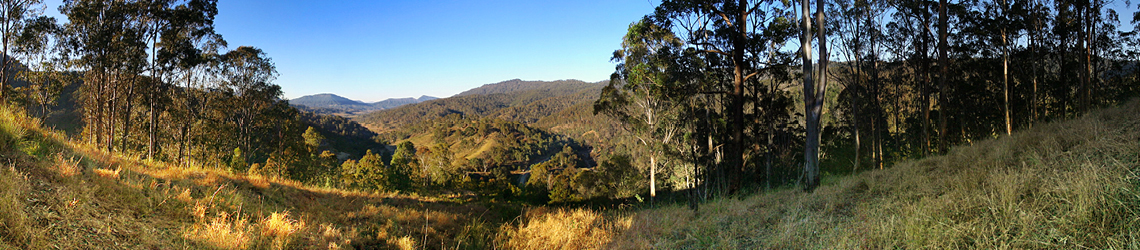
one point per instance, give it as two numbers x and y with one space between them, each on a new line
721 87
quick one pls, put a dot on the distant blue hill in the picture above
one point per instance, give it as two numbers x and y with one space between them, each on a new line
328 103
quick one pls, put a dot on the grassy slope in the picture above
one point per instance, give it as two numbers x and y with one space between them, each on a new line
1064 185
60 194
1071 184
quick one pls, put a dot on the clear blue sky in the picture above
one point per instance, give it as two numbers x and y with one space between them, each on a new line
372 50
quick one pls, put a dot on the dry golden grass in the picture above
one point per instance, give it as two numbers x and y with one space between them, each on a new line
562 229
60 194
1064 185
224 232
14 230
280 228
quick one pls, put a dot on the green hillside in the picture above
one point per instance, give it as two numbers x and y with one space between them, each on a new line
517 101
517 85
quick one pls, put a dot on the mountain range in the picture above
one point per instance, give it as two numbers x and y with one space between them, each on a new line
562 107
512 100
328 103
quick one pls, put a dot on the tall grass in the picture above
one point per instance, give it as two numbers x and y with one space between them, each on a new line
1071 184
61 194
561 229
14 231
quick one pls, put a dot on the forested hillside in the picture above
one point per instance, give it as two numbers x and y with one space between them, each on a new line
519 132
517 85
519 101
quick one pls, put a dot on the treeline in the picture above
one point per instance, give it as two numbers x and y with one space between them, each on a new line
152 79
499 159
717 90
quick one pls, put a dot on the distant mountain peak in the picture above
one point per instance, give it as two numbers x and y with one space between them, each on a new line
332 103
323 100
515 85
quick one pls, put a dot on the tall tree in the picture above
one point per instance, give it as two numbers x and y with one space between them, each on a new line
248 74
16 15
943 73
814 91
105 38
44 73
729 32
647 88
180 37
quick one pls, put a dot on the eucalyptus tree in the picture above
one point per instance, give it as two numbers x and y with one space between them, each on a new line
734 38
814 90
44 74
854 31
247 75
181 38
1004 20
650 84
16 15
943 72
104 39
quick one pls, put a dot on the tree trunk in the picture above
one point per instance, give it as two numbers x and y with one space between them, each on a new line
855 126
811 164
151 125
821 87
652 179
1083 47
1090 30
924 61
155 81
1005 81
127 117
736 110
4 59
943 74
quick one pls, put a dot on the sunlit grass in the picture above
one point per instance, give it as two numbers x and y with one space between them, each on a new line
562 229
64 194
1071 184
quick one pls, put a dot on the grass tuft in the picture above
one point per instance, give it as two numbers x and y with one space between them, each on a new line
562 229
224 231
280 229
14 230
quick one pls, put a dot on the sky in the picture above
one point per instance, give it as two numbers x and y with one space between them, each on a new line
373 50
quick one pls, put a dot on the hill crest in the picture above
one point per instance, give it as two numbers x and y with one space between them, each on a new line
329 103
516 85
